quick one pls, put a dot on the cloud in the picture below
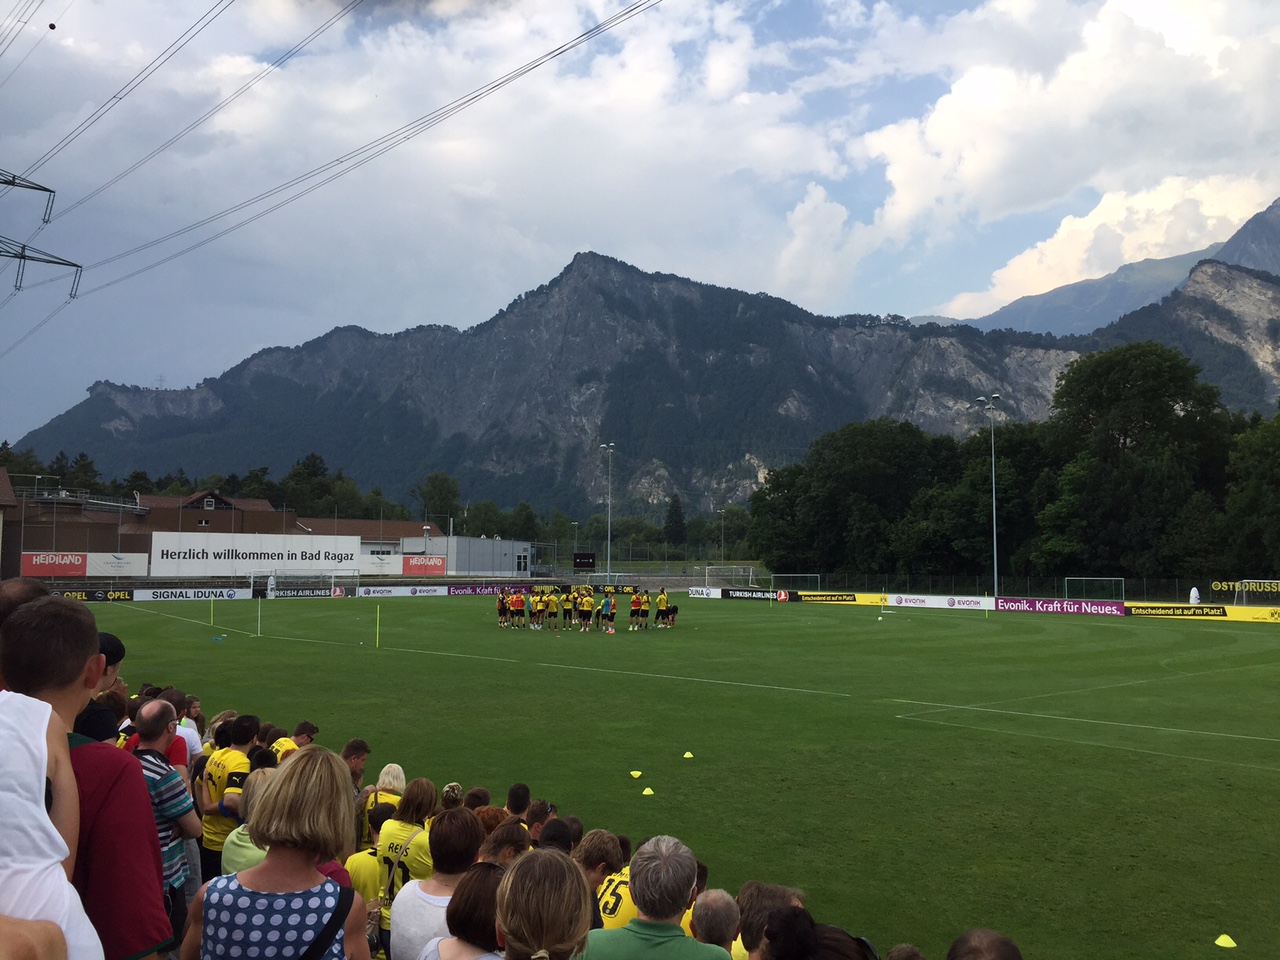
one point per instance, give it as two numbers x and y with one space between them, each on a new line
748 143
1175 217
1047 102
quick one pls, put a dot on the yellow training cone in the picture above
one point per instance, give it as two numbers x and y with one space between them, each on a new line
648 792
688 755
635 774
1225 941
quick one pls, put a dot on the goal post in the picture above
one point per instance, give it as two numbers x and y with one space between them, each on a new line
733 576
1257 593
286 582
795 581
1093 588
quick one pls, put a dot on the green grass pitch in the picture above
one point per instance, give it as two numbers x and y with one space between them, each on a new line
1093 787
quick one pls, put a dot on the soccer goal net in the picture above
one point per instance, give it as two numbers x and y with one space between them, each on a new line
1258 593
731 576
605 579
303 583
1093 588
795 581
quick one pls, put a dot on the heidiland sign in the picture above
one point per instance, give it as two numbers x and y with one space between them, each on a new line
415 566
239 554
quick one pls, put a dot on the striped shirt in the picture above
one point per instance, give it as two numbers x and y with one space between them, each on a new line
169 801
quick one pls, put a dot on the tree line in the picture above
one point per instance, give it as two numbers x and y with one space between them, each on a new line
1140 471
311 489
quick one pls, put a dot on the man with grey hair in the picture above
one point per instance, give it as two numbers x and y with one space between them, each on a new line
715 919
664 877
171 804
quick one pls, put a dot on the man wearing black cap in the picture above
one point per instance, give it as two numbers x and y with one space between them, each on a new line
96 721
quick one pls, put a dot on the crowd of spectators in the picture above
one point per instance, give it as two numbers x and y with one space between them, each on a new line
136 828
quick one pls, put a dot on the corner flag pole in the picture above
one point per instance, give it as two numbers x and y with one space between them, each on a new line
377 630
211 611
259 616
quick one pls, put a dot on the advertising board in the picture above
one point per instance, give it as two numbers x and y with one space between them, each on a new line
55 564
402 592
95 596
413 566
239 554
1092 608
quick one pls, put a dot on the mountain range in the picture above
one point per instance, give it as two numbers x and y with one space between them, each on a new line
702 389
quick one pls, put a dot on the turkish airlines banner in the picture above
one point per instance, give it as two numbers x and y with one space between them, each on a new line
424 566
55 564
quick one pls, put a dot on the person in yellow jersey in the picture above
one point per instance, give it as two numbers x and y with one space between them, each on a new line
634 622
645 602
389 789
366 873
404 851
599 855
586 603
662 608
539 609
617 909
303 734
223 780
553 609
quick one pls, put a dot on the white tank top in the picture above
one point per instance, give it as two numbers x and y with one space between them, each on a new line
33 885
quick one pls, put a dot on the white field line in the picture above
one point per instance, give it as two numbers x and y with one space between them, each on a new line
558 666
1054 716
667 676
1113 686
1088 743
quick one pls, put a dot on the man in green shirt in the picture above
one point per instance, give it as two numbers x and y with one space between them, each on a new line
664 878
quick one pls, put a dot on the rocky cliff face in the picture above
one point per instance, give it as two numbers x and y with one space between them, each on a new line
1238 308
1257 243
703 390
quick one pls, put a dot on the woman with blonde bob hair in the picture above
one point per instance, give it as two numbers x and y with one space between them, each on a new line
302 816
544 907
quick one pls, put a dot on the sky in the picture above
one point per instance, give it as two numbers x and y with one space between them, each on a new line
913 158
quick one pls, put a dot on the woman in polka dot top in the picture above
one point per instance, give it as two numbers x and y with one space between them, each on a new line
277 909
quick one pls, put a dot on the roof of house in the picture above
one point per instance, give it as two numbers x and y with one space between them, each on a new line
197 499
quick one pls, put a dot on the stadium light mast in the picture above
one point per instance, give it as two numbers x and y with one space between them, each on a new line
989 408
608 546
575 535
721 512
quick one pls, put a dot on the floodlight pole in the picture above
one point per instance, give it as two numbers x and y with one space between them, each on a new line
721 512
575 535
608 547
989 408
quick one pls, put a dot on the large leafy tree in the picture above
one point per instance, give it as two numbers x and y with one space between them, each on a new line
1253 503
1143 435
437 499
524 523
673 530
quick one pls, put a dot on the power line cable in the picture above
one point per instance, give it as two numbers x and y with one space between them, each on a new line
36 46
357 158
360 156
187 36
13 29
221 105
